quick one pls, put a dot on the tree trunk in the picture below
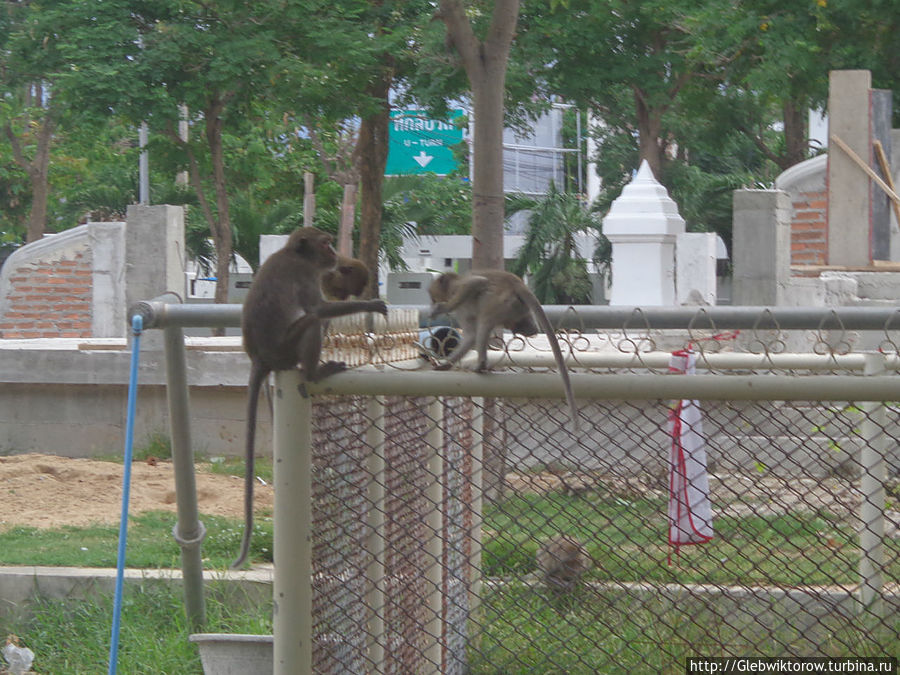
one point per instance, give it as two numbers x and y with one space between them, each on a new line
220 225
487 171
796 142
38 170
373 152
348 213
485 65
649 127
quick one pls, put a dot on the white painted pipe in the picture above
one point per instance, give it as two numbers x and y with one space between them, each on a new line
871 508
293 527
532 358
434 533
375 546
369 381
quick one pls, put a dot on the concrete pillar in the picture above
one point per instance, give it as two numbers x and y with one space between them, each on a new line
849 196
642 226
107 242
154 257
761 250
695 268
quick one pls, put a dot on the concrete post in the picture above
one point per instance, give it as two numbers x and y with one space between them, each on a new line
642 225
849 195
761 248
154 257
695 266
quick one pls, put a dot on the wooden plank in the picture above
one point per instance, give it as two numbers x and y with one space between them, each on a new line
865 167
888 177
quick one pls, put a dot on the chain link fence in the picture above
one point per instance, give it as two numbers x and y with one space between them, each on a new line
465 534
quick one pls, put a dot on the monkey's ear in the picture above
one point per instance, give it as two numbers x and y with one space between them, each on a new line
301 244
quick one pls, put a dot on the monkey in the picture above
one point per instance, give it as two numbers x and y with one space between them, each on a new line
349 277
484 300
563 560
281 323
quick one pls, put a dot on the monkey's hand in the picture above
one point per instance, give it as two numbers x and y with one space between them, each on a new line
378 306
326 369
438 308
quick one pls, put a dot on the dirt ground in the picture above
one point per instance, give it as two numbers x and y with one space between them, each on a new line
46 491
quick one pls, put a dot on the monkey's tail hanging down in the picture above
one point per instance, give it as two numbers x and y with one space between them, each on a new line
535 306
257 378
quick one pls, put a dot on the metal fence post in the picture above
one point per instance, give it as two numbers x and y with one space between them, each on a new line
188 531
434 547
871 509
376 546
476 580
292 620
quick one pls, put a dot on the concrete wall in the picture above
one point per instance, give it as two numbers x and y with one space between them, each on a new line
72 402
805 185
66 285
761 246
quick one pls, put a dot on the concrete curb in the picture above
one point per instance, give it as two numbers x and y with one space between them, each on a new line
20 586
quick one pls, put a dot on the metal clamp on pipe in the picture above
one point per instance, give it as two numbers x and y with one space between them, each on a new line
169 311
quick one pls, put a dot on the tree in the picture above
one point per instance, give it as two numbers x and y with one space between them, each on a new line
215 59
550 257
627 62
485 62
44 69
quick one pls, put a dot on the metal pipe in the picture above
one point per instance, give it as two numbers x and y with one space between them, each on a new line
474 573
188 531
368 381
292 617
162 313
532 358
376 540
157 313
719 317
434 533
871 508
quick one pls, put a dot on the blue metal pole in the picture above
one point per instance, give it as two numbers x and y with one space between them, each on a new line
137 326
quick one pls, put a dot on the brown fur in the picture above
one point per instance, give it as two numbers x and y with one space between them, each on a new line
348 278
490 299
282 324
563 560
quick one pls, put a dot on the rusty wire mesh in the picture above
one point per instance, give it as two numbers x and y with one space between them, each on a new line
553 550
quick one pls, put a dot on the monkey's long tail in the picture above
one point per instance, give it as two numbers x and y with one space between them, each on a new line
538 311
257 377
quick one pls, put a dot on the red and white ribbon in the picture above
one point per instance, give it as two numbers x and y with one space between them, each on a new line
690 510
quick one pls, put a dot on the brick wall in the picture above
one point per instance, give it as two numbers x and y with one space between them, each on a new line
49 299
809 229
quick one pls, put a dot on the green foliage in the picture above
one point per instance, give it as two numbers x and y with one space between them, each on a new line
73 636
550 257
150 543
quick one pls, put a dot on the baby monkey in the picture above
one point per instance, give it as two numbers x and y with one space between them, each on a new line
490 299
282 324
562 561
348 278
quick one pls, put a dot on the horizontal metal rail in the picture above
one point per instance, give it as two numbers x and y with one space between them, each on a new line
369 381
659 360
160 313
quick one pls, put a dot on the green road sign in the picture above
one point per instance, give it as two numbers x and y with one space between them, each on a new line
418 144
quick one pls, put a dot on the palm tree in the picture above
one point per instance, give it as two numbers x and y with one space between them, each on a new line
556 270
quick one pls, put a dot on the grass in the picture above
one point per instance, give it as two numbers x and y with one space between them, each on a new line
628 542
150 543
521 628
72 638
523 631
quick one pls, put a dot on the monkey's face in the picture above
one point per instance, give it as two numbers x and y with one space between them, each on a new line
524 326
315 245
441 288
